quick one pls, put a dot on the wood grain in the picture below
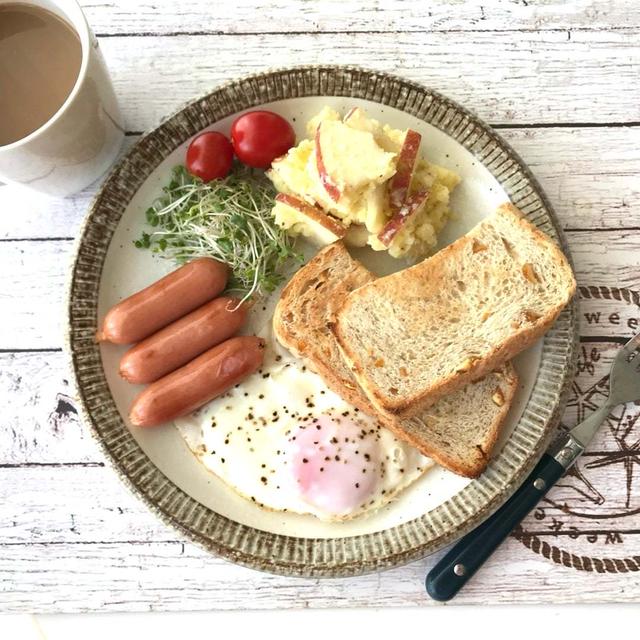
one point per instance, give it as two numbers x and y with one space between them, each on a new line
166 16
589 174
39 420
170 576
32 293
69 511
563 74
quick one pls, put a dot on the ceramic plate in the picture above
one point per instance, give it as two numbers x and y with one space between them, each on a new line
157 465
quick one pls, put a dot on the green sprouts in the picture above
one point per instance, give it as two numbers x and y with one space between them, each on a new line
229 220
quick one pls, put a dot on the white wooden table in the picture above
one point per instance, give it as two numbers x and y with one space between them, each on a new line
559 80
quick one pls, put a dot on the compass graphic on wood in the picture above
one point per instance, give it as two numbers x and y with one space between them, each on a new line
590 520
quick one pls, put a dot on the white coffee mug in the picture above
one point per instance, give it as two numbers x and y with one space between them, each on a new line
81 140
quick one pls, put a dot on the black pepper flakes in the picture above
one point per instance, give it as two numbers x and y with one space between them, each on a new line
304 460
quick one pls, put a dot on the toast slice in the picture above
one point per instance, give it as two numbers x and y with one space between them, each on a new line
459 432
454 317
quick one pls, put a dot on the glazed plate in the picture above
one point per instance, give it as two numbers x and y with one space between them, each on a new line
156 463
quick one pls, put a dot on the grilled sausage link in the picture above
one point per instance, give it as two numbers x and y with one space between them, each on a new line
166 300
183 340
198 382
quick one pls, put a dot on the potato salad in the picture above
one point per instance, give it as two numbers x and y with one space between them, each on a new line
358 180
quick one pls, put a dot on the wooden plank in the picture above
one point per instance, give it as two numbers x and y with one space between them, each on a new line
39 420
166 16
543 76
589 175
176 577
35 273
63 507
31 297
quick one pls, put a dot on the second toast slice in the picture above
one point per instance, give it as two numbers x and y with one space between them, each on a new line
420 334
459 432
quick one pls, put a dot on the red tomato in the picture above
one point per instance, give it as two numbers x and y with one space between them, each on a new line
259 137
210 156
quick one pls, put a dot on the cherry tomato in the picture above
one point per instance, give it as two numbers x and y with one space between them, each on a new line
210 156
259 137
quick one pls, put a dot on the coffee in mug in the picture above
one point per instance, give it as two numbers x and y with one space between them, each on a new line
60 125
40 57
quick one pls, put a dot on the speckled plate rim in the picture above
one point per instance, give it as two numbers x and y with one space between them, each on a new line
265 551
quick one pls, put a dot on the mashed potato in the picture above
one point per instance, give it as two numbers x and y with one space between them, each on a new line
345 170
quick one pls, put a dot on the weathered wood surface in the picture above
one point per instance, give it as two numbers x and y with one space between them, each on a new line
180 577
590 175
166 16
559 79
39 422
590 77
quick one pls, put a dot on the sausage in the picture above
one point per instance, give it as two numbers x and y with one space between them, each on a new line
166 300
183 340
198 382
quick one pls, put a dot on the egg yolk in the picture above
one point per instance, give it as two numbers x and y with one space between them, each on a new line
335 463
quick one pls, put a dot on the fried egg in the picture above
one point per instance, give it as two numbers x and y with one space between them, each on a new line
285 441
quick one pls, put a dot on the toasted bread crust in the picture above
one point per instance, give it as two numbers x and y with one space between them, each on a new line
318 356
411 405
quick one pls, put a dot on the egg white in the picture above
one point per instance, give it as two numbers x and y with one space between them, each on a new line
246 438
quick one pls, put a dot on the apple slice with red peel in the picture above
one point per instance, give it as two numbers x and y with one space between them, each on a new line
349 114
319 226
401 181
409 209
327 181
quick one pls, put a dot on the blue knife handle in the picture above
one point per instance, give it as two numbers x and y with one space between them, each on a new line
454 570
